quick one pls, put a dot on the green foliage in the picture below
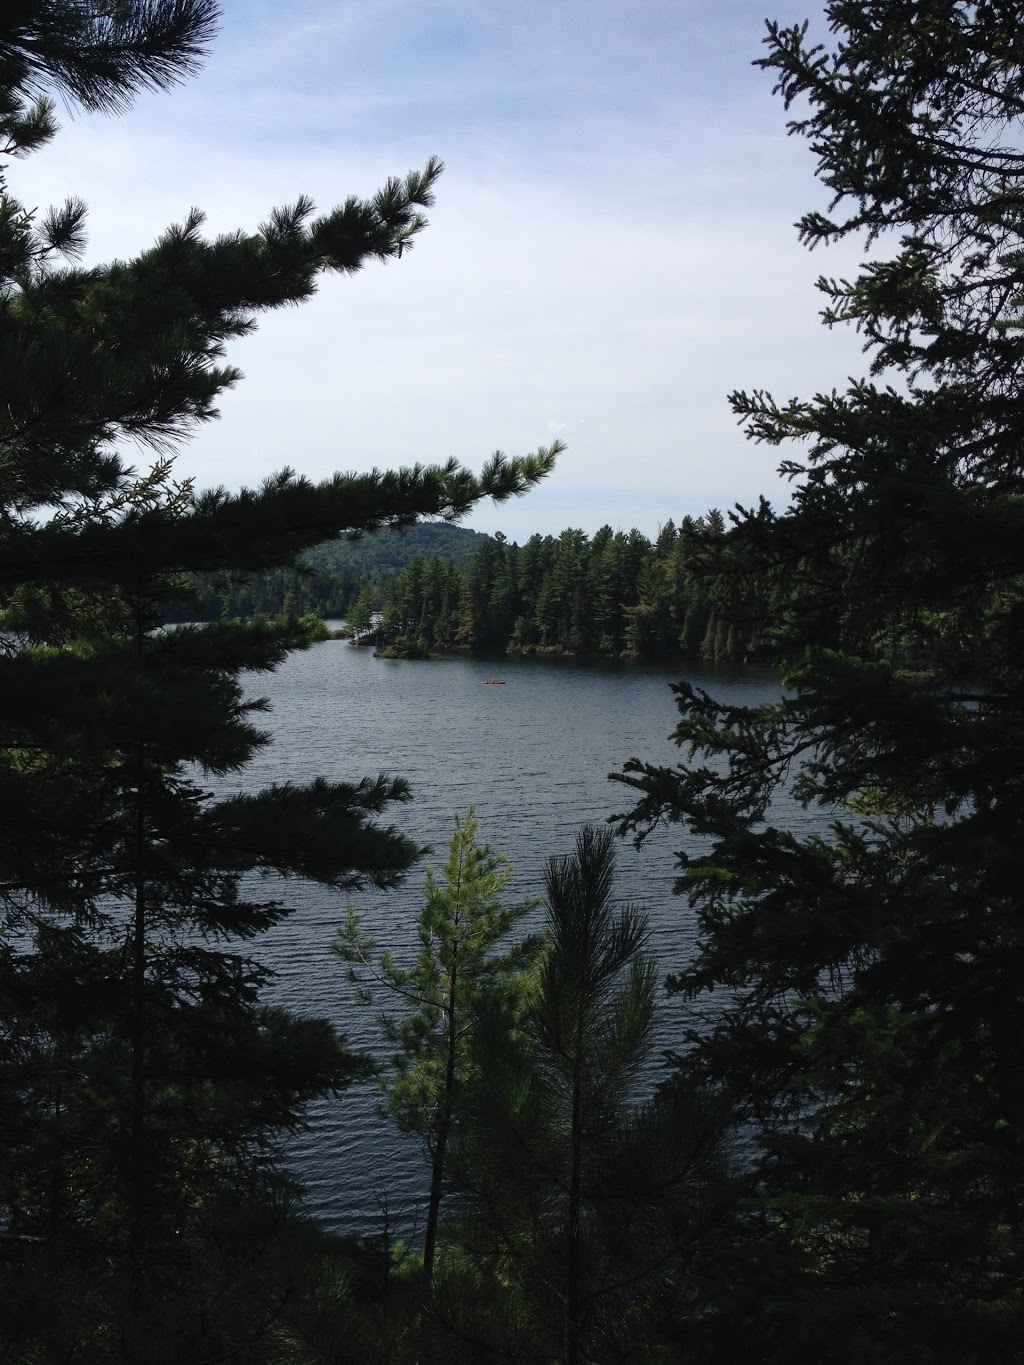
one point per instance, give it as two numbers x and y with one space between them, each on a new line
330 578
615 595
873 975
581 1210
144 1085
379 556
458 966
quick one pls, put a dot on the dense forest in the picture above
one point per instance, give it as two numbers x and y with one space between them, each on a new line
615 594
834 1171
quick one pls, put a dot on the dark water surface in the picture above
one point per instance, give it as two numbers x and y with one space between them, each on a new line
533 757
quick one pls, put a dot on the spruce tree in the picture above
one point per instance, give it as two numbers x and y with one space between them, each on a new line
873 974
143 1084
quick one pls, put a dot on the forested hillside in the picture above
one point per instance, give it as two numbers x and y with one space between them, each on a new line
438 588
327 578
614 594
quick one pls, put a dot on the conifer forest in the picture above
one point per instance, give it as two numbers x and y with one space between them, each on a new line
612 595
834 1170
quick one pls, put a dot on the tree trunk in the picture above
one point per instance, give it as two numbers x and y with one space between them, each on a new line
137 1174
573 1269
441 1140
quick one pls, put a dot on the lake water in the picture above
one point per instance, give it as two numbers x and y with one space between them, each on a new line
533 757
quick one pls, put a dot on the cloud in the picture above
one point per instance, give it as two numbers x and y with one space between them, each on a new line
612 238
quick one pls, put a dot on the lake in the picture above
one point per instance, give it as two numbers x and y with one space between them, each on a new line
533 756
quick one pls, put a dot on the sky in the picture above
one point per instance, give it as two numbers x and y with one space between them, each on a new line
611 252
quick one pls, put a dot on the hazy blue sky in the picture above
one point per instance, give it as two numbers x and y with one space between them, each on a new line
611 251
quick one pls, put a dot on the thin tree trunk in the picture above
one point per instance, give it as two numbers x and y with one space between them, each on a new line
138 1180
137 1177
441 1140
57 1174
572 1295
137 1114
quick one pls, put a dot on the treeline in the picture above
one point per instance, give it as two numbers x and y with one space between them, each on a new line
438 588
615 594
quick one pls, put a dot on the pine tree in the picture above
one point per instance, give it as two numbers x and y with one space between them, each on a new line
583 1209
143 1083
873 1033
460 927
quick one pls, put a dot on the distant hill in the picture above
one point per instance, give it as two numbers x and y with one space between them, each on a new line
388 552
339 568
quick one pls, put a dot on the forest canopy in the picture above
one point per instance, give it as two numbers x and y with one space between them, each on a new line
614 594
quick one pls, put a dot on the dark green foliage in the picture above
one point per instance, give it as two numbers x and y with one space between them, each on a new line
251 1282
98 56
614 595
144 1086
376 556
329 577
872 1025
583 1211
458 967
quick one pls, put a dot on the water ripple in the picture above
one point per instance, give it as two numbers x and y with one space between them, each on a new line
534 758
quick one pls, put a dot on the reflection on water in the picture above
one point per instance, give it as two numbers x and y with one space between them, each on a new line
533 757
